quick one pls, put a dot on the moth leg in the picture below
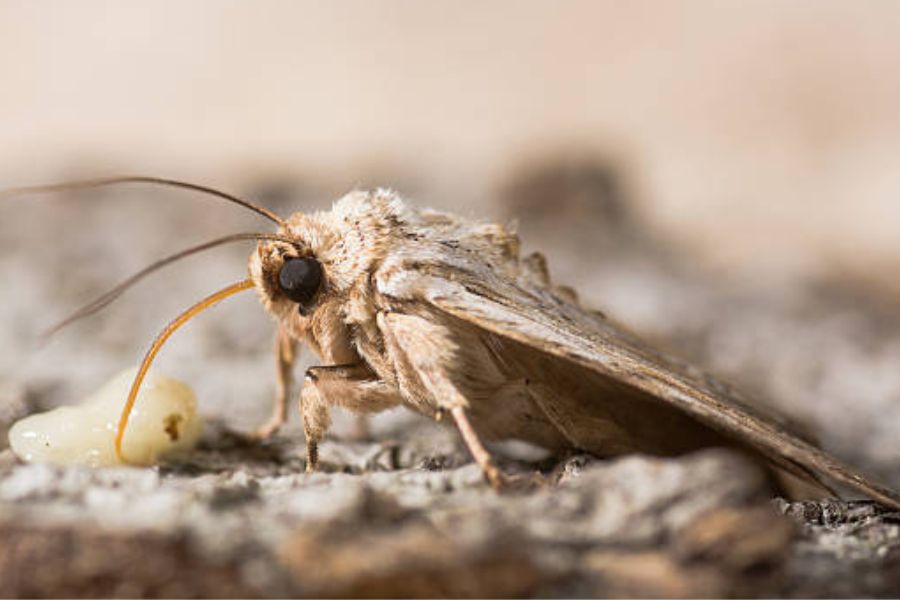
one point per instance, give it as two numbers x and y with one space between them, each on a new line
422 351
285 357
353 387
479 453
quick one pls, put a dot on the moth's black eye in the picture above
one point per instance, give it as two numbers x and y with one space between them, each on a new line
300 278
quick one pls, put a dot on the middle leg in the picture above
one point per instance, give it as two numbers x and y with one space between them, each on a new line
353 387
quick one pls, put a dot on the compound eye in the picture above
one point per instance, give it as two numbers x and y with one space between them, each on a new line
300 278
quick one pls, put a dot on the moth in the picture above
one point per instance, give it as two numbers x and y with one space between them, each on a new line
441 315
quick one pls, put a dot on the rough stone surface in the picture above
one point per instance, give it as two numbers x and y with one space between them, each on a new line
228 523
234 520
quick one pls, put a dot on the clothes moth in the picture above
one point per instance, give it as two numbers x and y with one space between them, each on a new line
164 422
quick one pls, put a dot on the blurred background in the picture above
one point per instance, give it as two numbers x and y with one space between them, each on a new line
721 176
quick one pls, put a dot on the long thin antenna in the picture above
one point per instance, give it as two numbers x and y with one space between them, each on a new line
112 294
106 181
183 318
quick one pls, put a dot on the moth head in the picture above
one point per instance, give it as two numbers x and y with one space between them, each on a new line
289 278
325 269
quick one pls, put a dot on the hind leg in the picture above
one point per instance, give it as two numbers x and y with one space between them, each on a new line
424 359
476 448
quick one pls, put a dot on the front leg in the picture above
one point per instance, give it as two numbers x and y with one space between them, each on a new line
354 387
285 357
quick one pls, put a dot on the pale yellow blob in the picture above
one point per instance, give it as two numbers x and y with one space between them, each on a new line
164 423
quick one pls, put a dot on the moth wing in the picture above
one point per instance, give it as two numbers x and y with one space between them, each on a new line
519 309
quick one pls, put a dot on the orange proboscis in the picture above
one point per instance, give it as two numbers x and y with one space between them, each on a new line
183 318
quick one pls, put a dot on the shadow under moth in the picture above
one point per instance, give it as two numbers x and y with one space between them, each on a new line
430 311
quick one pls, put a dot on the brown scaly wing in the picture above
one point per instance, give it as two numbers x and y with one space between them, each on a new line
471 290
